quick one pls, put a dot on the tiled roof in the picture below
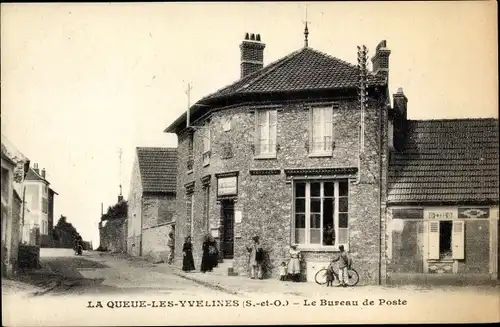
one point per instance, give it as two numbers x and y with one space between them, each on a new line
305 69
447 161
158 169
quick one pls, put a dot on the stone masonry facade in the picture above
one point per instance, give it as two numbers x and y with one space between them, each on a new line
266 200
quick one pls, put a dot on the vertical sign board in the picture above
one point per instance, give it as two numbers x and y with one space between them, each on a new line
227 186
457 240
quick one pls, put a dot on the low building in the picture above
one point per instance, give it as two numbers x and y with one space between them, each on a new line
151 212
443 195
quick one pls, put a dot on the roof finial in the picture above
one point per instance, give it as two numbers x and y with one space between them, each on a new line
306 31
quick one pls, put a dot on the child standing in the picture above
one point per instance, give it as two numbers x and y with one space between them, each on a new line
344 264
283 270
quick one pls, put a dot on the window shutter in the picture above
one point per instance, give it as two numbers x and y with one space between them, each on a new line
433 240
256 134
457 239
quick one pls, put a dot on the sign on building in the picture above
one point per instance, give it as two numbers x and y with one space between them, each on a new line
227 186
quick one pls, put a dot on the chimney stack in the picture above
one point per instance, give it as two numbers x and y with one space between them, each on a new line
399 120
252 54
43 172
380 60
35 168
120 198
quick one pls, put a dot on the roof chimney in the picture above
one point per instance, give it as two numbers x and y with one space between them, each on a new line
399 120
35 168
252 54
43 172
380 60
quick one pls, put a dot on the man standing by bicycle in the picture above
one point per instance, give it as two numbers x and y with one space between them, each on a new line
344 264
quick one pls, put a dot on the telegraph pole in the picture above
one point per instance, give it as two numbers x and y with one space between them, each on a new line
188 93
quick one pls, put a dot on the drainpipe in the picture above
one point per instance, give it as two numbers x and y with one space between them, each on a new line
381 221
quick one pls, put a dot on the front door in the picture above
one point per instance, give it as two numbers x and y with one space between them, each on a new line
228 228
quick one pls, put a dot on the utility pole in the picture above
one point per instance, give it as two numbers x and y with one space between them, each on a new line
188 93
120 157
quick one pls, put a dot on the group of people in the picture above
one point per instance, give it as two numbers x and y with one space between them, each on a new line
209 259
288 271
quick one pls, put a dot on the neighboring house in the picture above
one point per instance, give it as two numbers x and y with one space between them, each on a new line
443 196
276 154
39 210
11 207
151 202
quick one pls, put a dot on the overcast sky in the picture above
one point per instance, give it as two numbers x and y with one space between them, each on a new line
81 81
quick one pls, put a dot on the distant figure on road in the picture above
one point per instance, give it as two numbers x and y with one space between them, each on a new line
210 254
171 247
188 261
256 258
78 245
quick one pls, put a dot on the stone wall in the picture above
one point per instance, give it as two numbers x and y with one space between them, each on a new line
266 201
113 235
158 216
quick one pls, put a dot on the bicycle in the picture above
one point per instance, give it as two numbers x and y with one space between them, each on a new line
322 274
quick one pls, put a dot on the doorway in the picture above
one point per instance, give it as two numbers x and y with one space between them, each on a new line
227 239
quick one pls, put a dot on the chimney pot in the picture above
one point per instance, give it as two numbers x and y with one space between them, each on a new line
43 172
252 54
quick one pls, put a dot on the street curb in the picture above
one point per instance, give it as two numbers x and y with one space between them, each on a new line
206 284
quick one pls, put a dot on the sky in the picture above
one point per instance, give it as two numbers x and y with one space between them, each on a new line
82 81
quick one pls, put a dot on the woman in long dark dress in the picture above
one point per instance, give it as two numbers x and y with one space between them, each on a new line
207 259
188 261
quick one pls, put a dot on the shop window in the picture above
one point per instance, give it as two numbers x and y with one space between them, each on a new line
446 239
321 215
265 131
320 139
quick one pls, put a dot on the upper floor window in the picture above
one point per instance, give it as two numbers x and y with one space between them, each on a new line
206 146
266 130
320 139
321 213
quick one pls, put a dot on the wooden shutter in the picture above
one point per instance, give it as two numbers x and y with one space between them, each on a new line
433 239
457 239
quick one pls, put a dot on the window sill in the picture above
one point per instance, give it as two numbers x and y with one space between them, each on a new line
444 260
206 164
265 156
320 154
319 248
189 172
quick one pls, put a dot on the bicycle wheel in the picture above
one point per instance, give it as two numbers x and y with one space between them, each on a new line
320 276
352 277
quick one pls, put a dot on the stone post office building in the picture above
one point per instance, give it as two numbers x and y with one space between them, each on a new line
278 154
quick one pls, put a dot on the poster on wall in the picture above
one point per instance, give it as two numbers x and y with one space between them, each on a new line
237 216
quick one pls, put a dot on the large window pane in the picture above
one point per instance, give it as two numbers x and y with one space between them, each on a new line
300 190
343 220
316 189
343 204
328 222
315 228
329 188
316 205
300 220
343 188
300 205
